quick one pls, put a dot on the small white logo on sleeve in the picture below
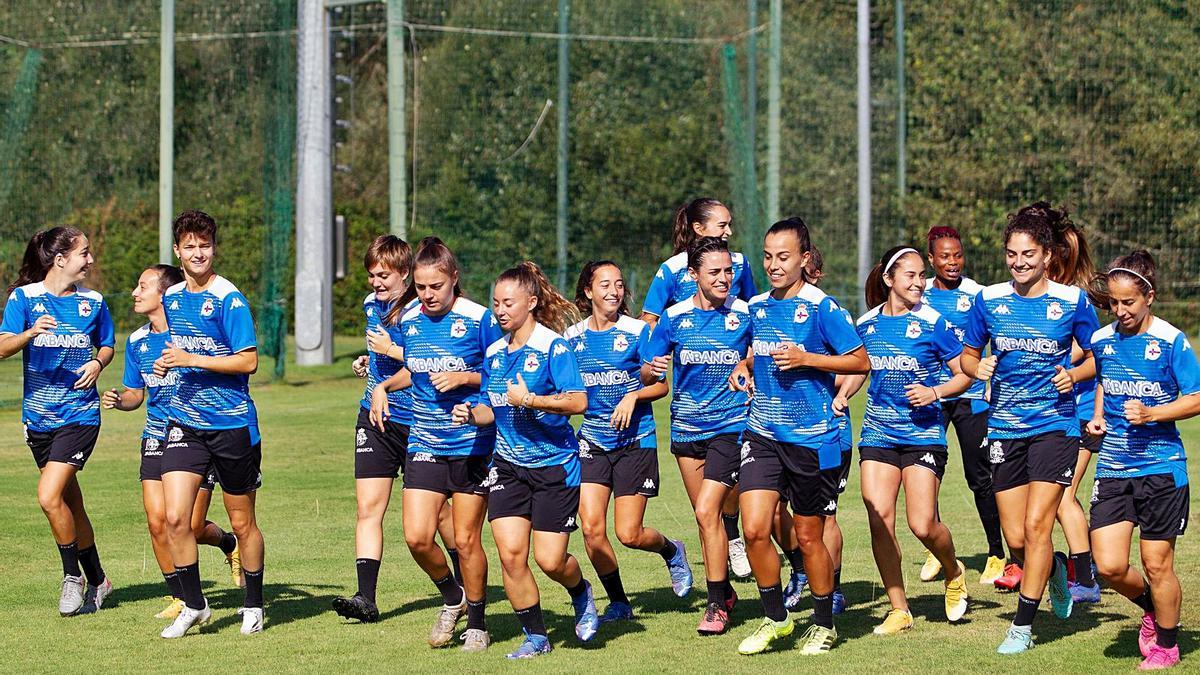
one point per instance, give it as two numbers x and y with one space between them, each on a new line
559 350
236 303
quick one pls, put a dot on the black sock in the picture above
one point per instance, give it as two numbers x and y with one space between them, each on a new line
668 550
837 579
716 591
613 587
368 577
1026 609
531 620
1144 600
579 588
228 543
70 559
1167 636
989 516
1083 568
189 579
452 593
452 554
475 614
728 590
254 583
796 558
772 602
823 610
730 520
89 560
173 585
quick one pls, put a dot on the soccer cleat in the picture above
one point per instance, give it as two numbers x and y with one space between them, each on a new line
171 610
447 620
715 620
1147 634
739 564
818 640
897 621
1081 593
931 568
1060 595
616 611
1160 657
587 620
534 645
234 560
475 640
767 632
839 602
680 570
1017 641
1011 579
731 600
187 618
356 606
794 590
252 620
94 598
70 599
993 569
956 595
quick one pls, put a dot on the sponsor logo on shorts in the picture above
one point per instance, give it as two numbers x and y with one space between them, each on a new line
585 449
1068 473
1096 492
649 484
745 454
176 435
831 506
360 437
570 522
77 456
1054 311
151 446
423 457
493 477
928 458
996 453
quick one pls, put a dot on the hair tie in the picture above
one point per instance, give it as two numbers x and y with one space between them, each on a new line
1126 269
896 256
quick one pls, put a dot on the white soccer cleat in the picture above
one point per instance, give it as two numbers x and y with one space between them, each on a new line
71 597
187 618
252 620
739 564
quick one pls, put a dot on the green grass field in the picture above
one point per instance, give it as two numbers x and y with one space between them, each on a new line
307 515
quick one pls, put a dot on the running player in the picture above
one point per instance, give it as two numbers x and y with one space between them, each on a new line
951 294
532 386
1030 324
791 448
1149 379
617 445
672 284
65 336
903 441
705 336
212 419
442 341
142 347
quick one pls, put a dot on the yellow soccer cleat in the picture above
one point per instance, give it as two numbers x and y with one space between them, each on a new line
993 570
766 633
171 610
931 568
956 595
897 621
234 560
818 640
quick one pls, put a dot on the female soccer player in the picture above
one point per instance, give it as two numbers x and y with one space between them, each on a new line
1030 324
532 386
1149 379
705 336
672 284
792 447
65 336
211 418
442 341
903 441
142 348
617 445
952 294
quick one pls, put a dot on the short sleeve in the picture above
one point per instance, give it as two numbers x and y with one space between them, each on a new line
238 324
977 329
15 311
659 294
746 287
104 334
1085 324
1184 366
489 330
659 343
564 368
945 341
132 378
837 327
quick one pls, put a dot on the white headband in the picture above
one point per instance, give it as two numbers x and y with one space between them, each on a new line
892 261
1126 269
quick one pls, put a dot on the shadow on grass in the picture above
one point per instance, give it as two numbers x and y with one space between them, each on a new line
285 603
1084 617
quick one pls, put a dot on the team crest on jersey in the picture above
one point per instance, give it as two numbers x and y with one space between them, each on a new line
85 307
39 308
176 435
913 331
206 309
801 314
732 322
1003 310
620 343
1108 350
531 363
360 437
996 453
459 328
1054 312
1153 351
963 304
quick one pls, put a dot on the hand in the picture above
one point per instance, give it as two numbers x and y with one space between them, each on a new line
790 357
445 382
379 407
463 413
360 365
1097 427
44 324
624 411
741 379
88 373
1062 380
380 342
839 405
987 368
110 399
920 395
1137 412
517 391
659 366
172 357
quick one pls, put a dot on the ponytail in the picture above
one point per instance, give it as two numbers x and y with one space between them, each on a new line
1072 261
1137 267
553 310
39 255
582 303
683 234
875 289
432 251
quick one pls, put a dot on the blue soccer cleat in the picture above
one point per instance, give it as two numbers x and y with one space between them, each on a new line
839 602
534 645
681 571
616 611
1018 641
794 589
587 619
1081 593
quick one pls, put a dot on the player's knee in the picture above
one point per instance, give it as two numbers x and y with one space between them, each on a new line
708 515
1157 568
630 536
922 529
1111 569
51 502
552 565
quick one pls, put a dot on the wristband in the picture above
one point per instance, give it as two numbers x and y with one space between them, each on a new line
526 400
97 362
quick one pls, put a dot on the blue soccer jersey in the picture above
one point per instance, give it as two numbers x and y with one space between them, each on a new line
908 349
706 345
380 367
1030 336
955 306
610 362
1154 367
453 342
524 436
50 360
672 284
142 348
796 406
212 322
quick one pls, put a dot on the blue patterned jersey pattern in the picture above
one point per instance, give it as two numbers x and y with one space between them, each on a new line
380 367
706 345
908 349
525 436
1154 367
142 348
50 361
1085 395
213 322
796 406
954 304
453 342
672 284
1030 336
610 363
